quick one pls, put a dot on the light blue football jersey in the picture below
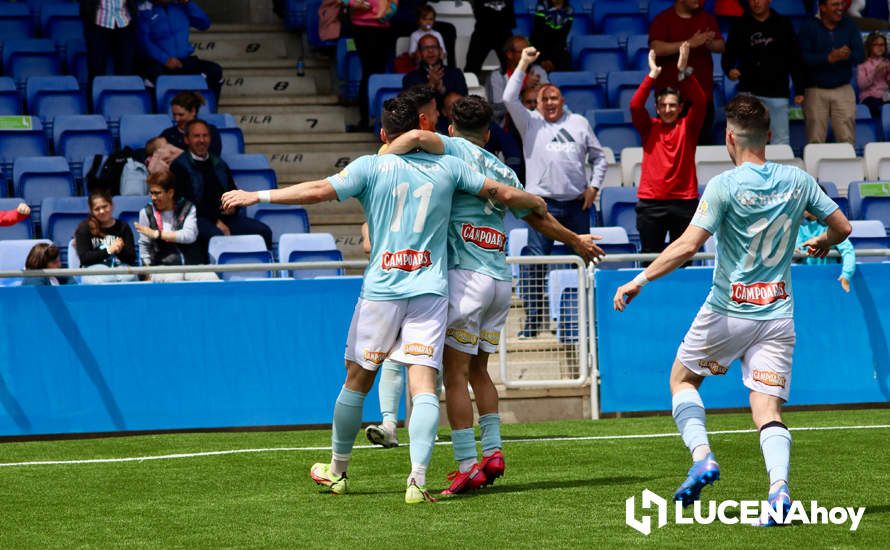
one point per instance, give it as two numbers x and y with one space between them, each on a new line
407 202
477 237
755 211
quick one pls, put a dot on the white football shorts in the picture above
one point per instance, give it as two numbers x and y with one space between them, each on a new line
410 331
764 346
477 311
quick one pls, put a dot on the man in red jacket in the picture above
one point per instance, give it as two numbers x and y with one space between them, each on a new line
668 188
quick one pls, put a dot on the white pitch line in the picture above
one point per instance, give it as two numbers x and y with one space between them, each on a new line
327 448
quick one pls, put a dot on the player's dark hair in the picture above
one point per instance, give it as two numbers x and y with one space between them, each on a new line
670 90
420 94
41 255
399 116
471 114
749 120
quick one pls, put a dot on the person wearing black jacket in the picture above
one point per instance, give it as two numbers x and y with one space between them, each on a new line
109 31
495 20
761 52
103 242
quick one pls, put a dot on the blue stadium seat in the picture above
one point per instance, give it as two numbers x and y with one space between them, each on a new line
27 57
562 288
295 14
638 52
27 140
76 60
616 248
37 178
59 217
116 96
600 54
524 6
524 24
607 116
349 68
281 219
619 17
135 130
866 243
51 96
251 172
15 22
657 6
581 26
61 22
620 87
220 120
77 137
10 100
580 90
232 140
127 207
842 202
870 200
868 130
790 7
310 247
380 88
618 207
13 254
22 230
618 136
239 249
168 86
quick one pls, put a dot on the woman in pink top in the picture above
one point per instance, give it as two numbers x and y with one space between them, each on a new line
373 43
874 74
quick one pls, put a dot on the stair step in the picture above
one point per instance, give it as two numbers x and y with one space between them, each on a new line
245 50
269 127
271 86
235 101
295 139
299 162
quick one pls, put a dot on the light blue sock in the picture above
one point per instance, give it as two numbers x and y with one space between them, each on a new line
463 442
490 425
689 414
775 443
390 390
422 428
347 421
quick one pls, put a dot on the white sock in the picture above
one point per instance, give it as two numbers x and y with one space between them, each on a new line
467 465
490 452
388 427
418 474
339 464
700 452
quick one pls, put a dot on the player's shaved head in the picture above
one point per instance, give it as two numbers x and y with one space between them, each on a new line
748 120
399 116
471 115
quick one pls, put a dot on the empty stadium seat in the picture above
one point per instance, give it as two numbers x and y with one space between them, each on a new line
840 171
620 87
638 52
380 88
37 178
600 54
239 249
22 230
59 217
778 153
116 96
580 90
24 58
77 137
711 153
168 86
15 22
60 21
232 140
873 155
614 234
618 205
310 247
618 17
135 130
23 140
631 165
562 288
127 208
868 130
866 229
281 219
869 243
706 170
76 60
10 100
870 200
252 172
13 254
618 136
220 120
814 153
51 96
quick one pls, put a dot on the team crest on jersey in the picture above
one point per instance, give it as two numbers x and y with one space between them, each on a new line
375 357
462 336
769 378
713 366
417 348
703 207
406 260
486 238
759 294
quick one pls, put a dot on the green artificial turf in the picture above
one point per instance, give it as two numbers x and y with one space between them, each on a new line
554 494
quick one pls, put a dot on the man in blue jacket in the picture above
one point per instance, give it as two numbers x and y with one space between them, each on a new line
164 38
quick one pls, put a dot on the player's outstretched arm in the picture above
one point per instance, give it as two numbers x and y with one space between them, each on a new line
512 197
675 255
310 192
584 245
430 142
839 228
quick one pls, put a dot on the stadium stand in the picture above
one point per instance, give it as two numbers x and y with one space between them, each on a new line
135 130
13 253
310 247
168 86
239 249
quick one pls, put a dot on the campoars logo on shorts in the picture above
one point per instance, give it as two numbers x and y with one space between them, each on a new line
375 357
484 237
462 336
418 349
406 260
760 294
769 378
713 366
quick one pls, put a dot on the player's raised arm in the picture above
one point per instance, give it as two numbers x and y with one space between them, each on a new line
584 245
310 192
431 142
676 254
512 197
839 228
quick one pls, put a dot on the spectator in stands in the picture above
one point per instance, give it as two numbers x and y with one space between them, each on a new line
185 106
202 178
168 231
373 42
685 21
761 52
831 46
164 41
432 72
530 97
404 23
812 227
495 20
557 147
497 80
668 187
426 19
873 75
12 217
550 34
103 242
109 31
159 154
44 256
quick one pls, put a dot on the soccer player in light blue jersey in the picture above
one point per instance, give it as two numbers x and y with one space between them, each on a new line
754 210
403 306
480 289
